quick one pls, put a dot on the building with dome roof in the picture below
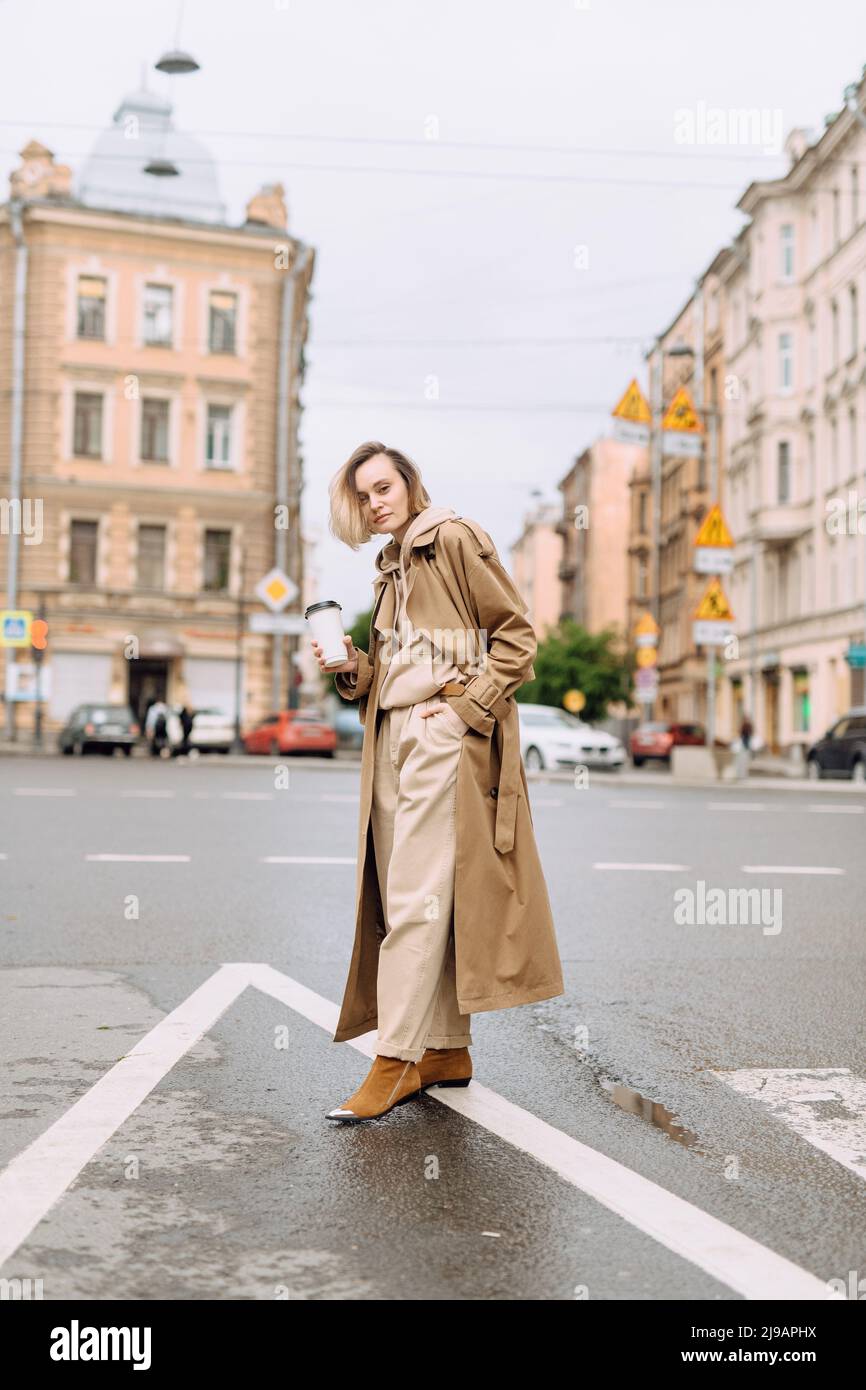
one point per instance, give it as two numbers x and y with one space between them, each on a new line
154 356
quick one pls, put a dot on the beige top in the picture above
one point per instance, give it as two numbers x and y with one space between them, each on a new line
415 665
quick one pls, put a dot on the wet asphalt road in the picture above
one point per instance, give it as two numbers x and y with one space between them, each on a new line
227 1182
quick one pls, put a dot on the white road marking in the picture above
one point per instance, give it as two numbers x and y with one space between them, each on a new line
305 859
789 869
339 796
41 1173
838 810
39 1176
621 804
45 791
651 867
162 794
247 796
796 1095
140 858
736 806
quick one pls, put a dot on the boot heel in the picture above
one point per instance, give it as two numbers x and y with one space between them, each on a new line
463 1082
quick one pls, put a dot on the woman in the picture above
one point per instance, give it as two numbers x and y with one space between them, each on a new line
452 912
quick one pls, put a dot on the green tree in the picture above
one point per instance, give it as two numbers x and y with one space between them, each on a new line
570 658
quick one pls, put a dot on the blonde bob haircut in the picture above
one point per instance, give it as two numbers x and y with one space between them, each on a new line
346 521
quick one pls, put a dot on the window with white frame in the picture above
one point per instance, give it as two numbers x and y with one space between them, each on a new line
154 430
222 321
158 309
87 424
151 556
218 441
786 361
786 250
91 307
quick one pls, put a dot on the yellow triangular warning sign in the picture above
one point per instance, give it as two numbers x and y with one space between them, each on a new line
714 606
647 626
681 414
633 406
713 530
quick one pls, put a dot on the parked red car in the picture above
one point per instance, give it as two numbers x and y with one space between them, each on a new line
657 740
292 731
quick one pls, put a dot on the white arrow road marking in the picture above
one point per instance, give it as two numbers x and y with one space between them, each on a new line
797 1096
38 1177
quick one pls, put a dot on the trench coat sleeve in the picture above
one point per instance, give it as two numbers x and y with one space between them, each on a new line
355 686
510 639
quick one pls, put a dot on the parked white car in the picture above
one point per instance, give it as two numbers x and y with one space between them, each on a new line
552 738
213 731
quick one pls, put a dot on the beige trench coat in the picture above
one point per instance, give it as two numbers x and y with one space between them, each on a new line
505 944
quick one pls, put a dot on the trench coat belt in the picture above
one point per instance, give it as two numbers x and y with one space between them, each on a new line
509 770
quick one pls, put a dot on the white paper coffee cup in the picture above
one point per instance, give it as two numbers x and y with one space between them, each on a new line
326 626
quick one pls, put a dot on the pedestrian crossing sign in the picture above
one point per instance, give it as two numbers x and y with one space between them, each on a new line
633 406
682 416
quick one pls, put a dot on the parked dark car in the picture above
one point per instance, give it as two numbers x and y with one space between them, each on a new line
99 726
842 750
657 740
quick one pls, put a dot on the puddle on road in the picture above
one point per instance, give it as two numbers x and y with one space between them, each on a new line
652 1110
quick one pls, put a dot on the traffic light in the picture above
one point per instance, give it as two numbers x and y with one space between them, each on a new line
38 638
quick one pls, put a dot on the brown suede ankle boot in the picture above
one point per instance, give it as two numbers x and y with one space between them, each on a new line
389 1082
445 1066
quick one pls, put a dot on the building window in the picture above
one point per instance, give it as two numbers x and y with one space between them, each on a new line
87 431
218 449
151 557
786 361
641 513
158 301
83 540
91 307
834 335
154 430
222 321
852 313
217 555
783 472
802 707
786 250
642 577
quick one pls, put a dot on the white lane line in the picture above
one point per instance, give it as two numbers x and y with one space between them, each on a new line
42 1172
139 858
163 795
736 806
305 859
662 868
39 1176
247 796
837 810
45 791
797 1096
789 869
621 804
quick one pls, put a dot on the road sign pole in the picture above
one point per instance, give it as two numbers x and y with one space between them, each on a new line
712 448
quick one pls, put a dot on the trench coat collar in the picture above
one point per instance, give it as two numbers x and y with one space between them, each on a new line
396 555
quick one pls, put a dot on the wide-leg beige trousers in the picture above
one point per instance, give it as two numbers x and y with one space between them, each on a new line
413 821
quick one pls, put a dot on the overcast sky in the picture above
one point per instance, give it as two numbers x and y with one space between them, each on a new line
432 258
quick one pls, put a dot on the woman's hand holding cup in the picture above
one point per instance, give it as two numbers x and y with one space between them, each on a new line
350 664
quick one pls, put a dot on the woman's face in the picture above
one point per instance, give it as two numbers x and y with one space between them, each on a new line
383 495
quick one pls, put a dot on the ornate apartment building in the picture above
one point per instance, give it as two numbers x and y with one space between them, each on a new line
151 409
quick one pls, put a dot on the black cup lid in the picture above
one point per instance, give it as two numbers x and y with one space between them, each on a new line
326 603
